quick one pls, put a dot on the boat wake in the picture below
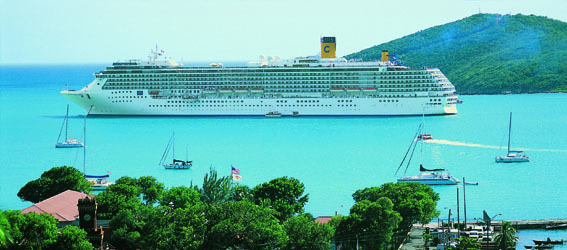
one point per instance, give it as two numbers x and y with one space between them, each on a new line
474 145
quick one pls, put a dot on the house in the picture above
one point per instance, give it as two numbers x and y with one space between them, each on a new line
62 206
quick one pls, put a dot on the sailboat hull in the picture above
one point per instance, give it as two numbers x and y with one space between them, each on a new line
70 143
431 179
512 159
176 166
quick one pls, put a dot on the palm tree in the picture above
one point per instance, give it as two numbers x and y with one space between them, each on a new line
506 238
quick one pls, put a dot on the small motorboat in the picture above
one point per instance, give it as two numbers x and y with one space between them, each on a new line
425 137
548 241
556 226
545 246
274 114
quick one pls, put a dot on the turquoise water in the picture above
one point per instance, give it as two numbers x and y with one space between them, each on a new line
332 156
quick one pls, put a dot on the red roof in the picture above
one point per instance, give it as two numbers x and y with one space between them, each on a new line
323 219
62 206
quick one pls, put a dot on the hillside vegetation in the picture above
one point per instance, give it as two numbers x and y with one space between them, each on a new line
488 53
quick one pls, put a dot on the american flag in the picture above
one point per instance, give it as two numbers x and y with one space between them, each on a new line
235 170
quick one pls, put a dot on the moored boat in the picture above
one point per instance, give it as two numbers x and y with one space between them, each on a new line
68 142
175 164
556 226
548 241
273 114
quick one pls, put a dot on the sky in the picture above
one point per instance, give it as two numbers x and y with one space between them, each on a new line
104 31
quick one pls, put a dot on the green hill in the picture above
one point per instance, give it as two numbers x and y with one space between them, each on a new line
488 53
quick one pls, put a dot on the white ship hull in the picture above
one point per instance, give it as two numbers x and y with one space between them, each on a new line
128 102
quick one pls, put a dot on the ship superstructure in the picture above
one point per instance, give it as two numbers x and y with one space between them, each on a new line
314 85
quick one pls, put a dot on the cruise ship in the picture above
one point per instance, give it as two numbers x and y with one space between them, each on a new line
304 86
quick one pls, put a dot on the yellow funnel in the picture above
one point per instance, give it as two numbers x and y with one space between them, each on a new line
385 57
328 47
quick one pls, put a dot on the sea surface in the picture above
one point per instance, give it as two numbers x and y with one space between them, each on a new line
332 156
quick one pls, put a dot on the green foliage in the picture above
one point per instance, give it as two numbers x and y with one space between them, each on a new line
466 243
5 237
72 237
241 193
488 53
31 230
148 188
215 190
284 194
305 233
117 197
53 182
415 202
243 225
506 237
370 223
127 225
180 197
179 228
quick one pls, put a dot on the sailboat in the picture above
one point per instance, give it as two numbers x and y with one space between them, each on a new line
176 164
69 142
436 176
99 182
512 156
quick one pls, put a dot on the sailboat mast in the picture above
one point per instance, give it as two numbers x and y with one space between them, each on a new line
173 142
66 122
509 132
85 145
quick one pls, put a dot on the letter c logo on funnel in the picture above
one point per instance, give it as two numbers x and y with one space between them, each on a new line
326 49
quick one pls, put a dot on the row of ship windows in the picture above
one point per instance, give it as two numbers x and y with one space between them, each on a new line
253 105
268 74
211 78
268 85
399 89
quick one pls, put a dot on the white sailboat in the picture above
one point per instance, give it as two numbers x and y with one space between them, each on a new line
426 176
68 142
513 155
176 164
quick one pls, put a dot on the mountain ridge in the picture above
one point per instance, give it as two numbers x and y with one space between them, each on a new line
488 53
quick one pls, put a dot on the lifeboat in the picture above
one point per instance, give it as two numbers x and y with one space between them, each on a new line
155 92
337 89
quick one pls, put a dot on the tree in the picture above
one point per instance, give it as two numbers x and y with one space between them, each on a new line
5 238
243 225
115 198
415 202
31 230
284 194
180 197
215 189
178 228
53 182
506 238
128 228
466 243
241 193
148 188
72 237
371 223
305 233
